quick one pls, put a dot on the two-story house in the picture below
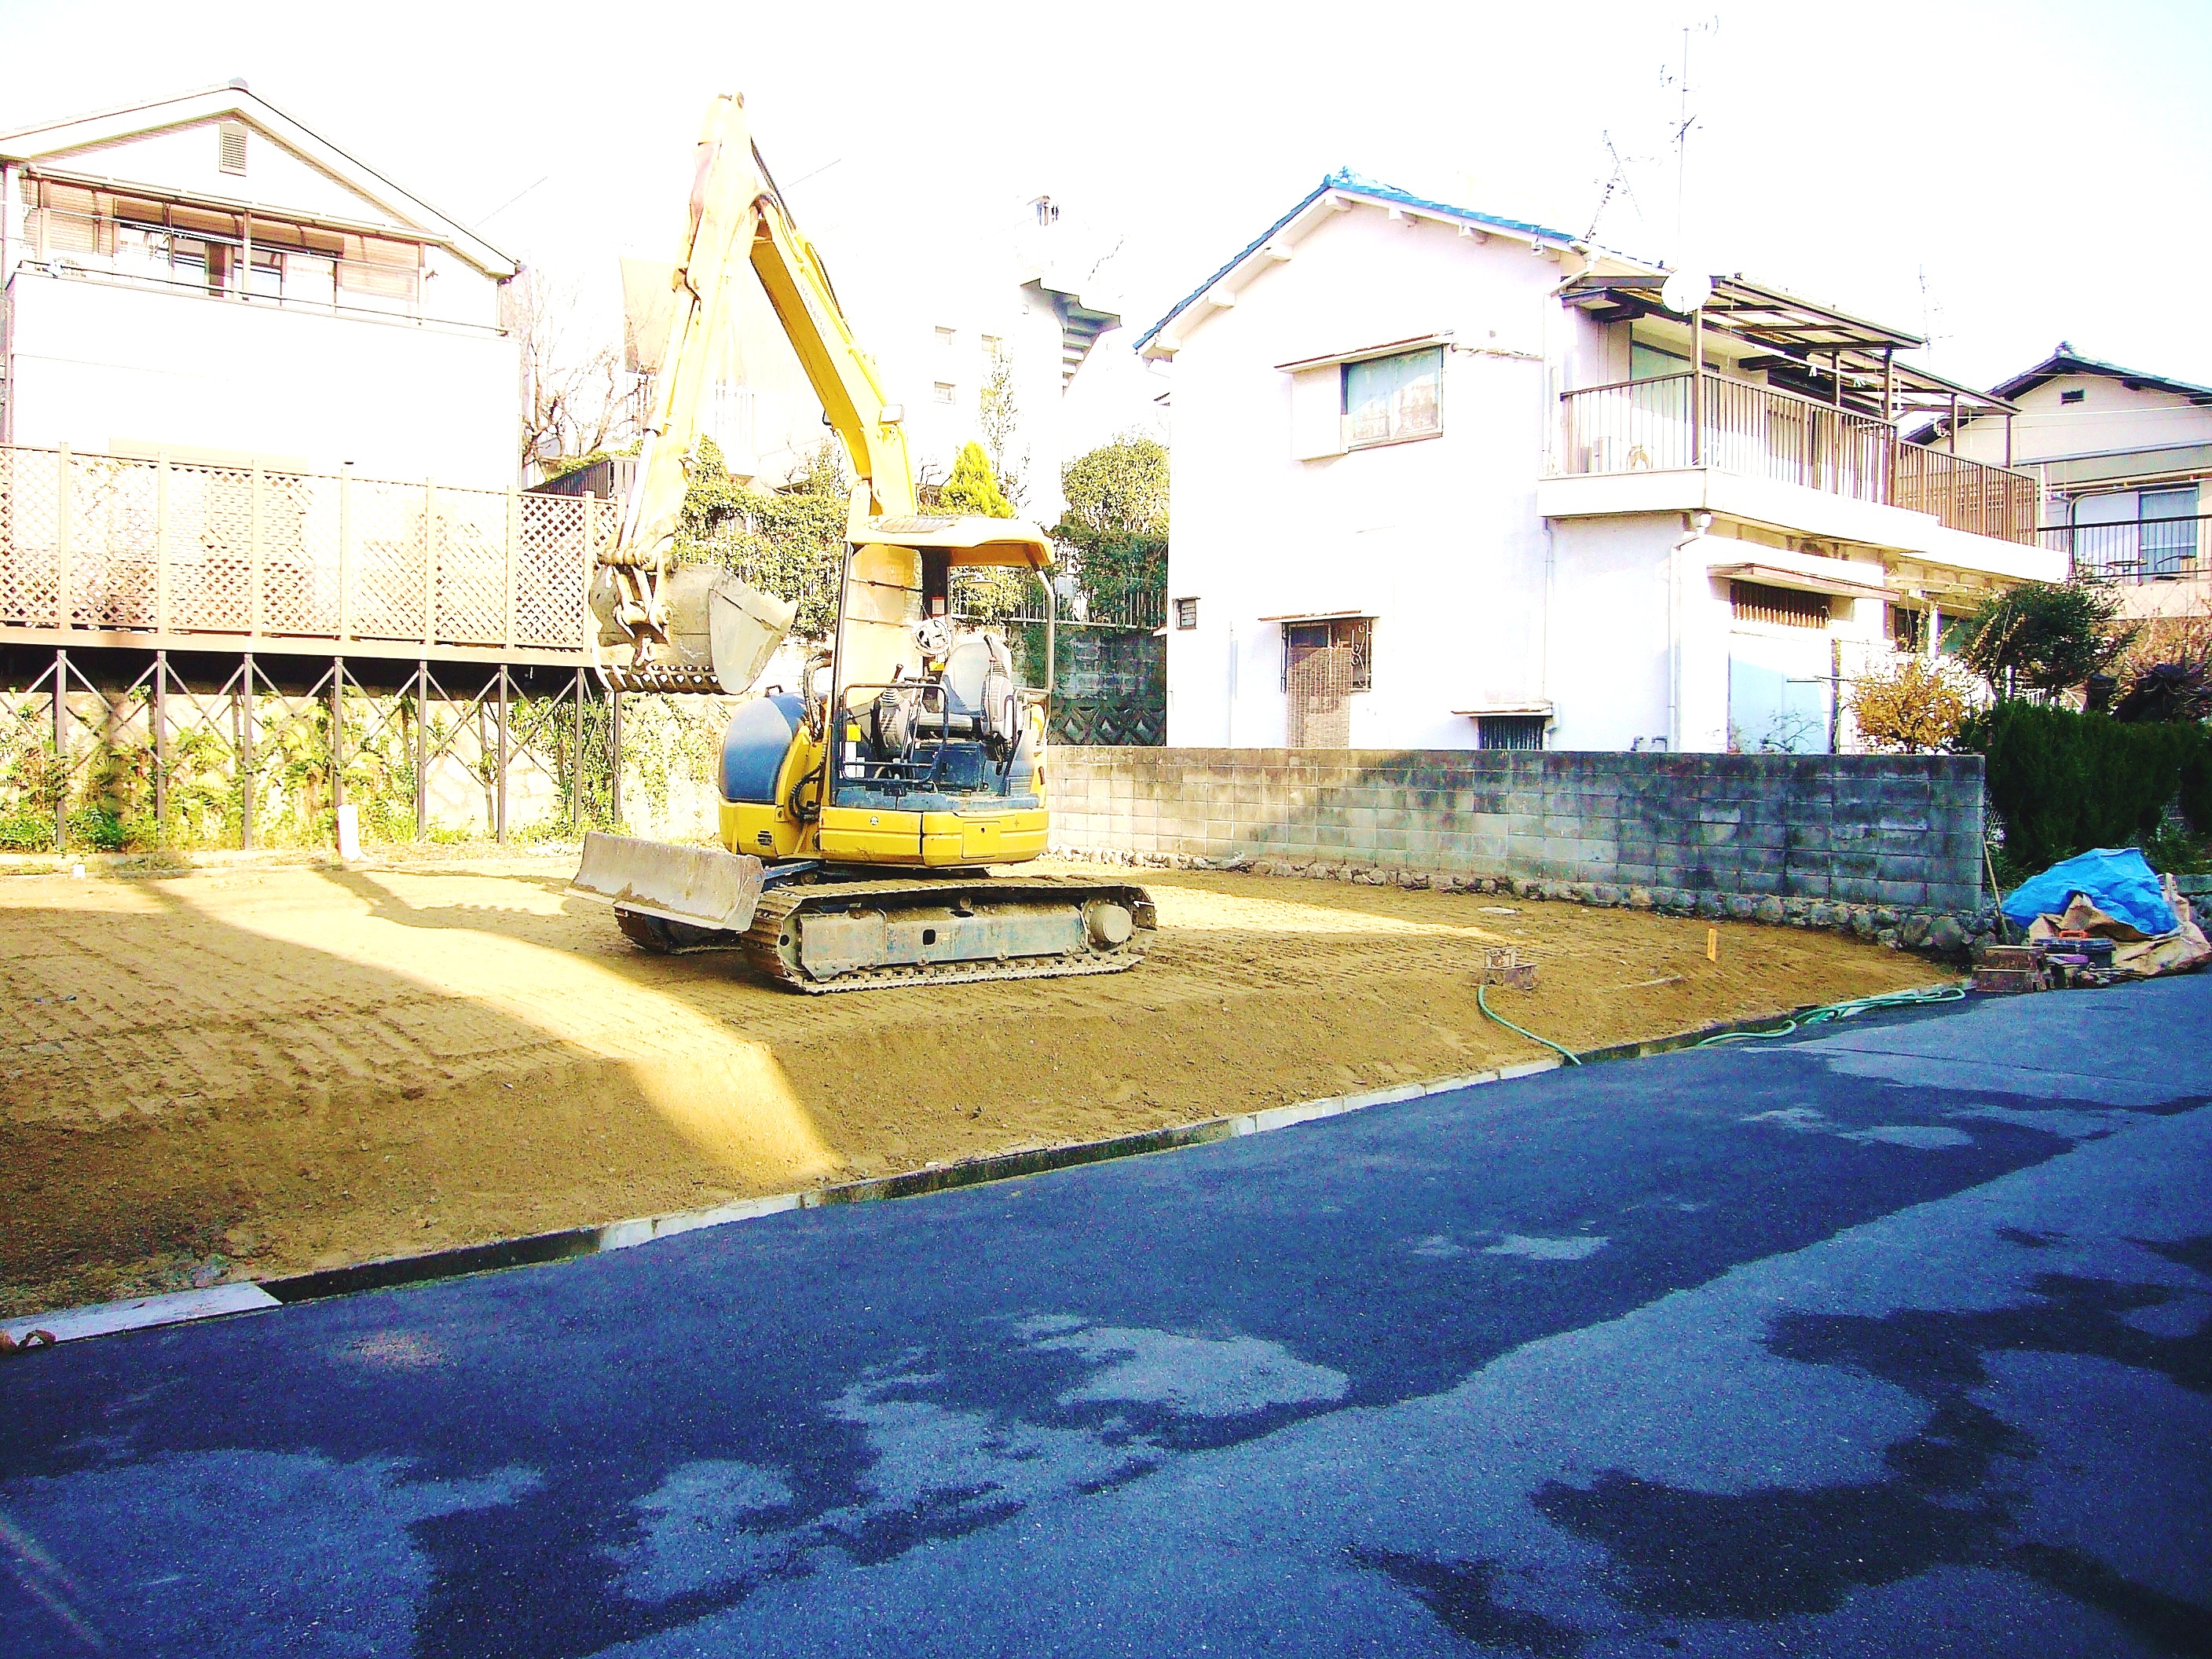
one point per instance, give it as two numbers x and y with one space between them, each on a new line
204 276
1446 480
2126 457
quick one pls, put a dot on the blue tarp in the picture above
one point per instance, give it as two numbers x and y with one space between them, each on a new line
2117 881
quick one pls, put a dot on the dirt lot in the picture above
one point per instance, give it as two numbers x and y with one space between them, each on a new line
258 1071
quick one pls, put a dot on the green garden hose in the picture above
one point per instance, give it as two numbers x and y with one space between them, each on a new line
1482 1002
1830 1012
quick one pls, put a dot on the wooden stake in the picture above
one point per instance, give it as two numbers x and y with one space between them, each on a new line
1712 944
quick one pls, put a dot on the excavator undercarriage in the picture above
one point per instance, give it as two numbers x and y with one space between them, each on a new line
823 928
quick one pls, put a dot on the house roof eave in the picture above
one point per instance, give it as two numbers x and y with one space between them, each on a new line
2067 361
1353 188
30 144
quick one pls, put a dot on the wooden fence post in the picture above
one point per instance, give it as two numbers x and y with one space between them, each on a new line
162 545
61 750
576 747
345 552
429 564
337 740
245 755
614 746
161 711
513 564
499 799
62 545
423 751
253 556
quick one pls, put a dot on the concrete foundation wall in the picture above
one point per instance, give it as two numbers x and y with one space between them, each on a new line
1902 830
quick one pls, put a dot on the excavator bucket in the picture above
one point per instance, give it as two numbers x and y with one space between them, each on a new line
672 898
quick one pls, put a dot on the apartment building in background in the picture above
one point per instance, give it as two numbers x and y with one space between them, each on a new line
1446 480
205 276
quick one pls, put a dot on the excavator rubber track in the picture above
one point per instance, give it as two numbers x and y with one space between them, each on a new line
872 935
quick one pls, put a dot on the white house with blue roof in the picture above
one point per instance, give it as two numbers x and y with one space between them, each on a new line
1446 480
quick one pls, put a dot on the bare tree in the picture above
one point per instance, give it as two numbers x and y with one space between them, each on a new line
577 396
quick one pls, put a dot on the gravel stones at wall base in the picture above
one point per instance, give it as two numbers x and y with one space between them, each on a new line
1945 935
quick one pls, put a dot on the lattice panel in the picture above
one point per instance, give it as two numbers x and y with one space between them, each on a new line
395 561
29 494
111 542
472 567
288 572
548 576
388 564
211 549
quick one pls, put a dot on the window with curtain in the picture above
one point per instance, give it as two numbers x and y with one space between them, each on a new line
1387 399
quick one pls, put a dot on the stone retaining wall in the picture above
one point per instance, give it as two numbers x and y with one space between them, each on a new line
1901 833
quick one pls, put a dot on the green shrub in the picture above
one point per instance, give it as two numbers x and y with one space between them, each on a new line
27 832
2063 783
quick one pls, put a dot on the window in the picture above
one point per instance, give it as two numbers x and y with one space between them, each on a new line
2169 529
1785 607
945 392
1510 731
2073 396
944 339
994 351
230 146
1390 398
1651 363
1348 643
1186 614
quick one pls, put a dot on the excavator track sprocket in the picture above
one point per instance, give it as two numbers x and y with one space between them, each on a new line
872 935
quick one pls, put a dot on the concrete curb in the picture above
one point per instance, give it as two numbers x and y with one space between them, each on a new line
103 1319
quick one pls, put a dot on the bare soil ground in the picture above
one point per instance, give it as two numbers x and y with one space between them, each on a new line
261 1070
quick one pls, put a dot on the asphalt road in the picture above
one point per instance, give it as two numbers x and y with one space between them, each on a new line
1897 1339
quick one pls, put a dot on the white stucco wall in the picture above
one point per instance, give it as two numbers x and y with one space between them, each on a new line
1437 538
100 364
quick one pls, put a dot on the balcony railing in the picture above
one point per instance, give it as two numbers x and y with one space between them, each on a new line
1754 431
170 552
2138 551
234 265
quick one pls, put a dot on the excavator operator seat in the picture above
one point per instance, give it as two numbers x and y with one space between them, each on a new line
967 666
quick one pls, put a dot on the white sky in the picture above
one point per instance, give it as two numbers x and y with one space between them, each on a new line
2046 167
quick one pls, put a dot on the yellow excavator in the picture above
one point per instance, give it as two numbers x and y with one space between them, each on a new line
909 746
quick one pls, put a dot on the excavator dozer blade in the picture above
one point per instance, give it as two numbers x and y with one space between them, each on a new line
672 898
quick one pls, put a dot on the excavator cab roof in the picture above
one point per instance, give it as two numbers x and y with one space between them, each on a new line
969 538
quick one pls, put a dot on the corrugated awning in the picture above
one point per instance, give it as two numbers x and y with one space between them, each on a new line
1811 346
1492 710
1316 616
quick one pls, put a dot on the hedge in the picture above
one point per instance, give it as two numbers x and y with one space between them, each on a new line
2065 782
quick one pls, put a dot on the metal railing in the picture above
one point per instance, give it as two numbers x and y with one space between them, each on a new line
1755 431
2137 550
109 546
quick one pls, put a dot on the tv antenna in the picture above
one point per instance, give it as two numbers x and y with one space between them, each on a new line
1684 124
1617 185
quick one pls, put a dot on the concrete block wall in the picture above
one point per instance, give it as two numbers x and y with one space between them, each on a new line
1895 831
